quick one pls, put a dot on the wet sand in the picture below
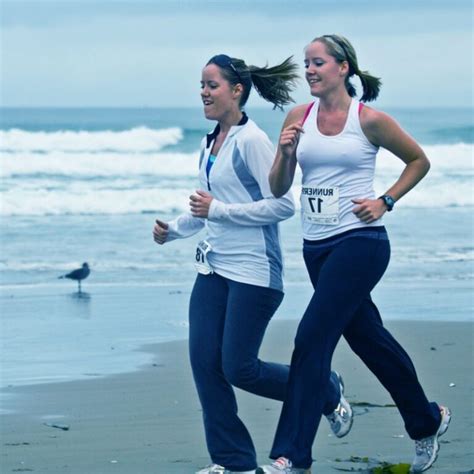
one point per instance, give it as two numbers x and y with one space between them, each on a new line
149 421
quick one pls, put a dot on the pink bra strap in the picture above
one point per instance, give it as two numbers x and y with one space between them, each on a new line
308 110
361 105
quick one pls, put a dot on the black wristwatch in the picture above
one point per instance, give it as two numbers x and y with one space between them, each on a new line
388 200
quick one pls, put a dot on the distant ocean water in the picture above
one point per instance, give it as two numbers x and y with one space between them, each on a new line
86 185
128 161
79 169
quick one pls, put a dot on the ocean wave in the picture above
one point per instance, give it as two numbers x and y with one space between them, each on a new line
61 267
404 255
88 165
139 139
445 159
455 157
88 199
59 183
454 134
91 201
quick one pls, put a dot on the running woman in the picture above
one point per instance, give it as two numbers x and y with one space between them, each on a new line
239 285
346 250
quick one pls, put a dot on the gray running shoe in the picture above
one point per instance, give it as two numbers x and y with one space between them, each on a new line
281 466
217 469
341 419
426 449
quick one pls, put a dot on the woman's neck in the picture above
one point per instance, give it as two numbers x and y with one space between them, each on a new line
335 101
231 119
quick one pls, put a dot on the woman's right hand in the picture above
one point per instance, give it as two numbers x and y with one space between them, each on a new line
289 139
160 232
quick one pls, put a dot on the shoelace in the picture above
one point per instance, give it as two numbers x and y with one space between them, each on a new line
340 411
422 445
215 468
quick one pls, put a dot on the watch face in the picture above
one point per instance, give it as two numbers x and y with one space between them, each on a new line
389 202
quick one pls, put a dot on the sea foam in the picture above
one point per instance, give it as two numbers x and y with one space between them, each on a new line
89 165
130 172
139 139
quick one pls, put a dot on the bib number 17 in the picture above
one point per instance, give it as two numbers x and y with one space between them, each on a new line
315 204
320 205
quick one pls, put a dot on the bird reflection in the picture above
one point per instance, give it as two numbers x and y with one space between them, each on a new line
80 306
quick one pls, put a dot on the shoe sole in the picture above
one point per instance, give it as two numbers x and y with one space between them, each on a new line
441 430
261 471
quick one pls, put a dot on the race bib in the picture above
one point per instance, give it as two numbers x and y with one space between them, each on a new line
201 263
320 205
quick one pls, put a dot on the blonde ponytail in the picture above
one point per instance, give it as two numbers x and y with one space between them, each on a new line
341 50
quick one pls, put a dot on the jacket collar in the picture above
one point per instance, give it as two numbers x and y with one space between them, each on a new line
210 137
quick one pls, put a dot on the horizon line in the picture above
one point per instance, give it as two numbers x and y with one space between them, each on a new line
200 107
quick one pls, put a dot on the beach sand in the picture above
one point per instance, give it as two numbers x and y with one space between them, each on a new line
149 421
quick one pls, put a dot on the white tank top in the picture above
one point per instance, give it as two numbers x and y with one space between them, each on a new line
335 170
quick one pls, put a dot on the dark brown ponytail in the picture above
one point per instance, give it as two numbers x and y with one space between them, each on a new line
274 84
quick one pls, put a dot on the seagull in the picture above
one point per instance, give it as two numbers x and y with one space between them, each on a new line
78 274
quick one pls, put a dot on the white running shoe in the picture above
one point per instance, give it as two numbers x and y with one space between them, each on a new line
426 449
217 469
341 419
281 466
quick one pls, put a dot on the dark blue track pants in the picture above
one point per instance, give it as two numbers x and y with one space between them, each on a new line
343 272
227 321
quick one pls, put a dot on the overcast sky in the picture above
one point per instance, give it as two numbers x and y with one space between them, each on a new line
150 53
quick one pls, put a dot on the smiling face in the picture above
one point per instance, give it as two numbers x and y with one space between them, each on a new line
323 73
220 99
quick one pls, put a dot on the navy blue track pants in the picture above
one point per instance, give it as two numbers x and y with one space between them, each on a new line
227 322
343 270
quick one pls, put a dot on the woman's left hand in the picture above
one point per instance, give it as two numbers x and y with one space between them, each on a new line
200 203
369 210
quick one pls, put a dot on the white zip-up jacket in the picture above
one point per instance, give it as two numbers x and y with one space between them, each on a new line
242 226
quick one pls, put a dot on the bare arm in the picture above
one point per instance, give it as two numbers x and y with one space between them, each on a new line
283 169
384 131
